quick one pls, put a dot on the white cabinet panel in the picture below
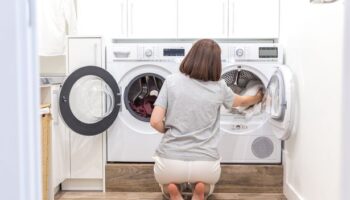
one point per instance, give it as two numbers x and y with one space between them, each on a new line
86 152
152 18
86 156
102 17
83 52
253 18
203 18
60 142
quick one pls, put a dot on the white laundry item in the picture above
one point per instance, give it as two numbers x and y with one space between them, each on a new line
251 111
56 19
251 89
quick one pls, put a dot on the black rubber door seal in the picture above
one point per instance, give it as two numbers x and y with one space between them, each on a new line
66 112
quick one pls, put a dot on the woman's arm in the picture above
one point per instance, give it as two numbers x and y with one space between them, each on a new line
247 100
157 117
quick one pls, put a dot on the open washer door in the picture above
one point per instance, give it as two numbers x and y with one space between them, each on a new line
89 100
279 103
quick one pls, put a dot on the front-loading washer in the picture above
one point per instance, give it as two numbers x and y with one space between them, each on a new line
140 70
257 139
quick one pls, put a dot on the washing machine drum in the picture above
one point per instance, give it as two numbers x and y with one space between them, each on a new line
245 83
141 93
238 80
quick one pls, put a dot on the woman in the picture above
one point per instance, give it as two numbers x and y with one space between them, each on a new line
187 111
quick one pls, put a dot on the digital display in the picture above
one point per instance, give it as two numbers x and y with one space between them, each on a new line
173 52
268 52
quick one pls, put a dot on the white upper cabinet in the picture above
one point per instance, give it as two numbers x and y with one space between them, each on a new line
84 51
102 18
253 19
203 18
152 18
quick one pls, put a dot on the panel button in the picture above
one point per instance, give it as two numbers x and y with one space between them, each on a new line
239 52
148 52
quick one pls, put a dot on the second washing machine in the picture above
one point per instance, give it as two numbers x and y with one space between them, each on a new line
140 70
256 134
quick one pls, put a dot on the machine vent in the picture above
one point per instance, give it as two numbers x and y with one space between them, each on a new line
262 147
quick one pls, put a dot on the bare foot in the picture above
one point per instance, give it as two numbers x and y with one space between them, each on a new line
174 192
198 193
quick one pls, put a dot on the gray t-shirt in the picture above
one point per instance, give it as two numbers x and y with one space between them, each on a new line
192 117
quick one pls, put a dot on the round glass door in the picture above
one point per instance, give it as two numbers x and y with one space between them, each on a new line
89 100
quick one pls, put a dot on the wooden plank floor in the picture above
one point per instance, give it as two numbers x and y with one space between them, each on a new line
156 196
234 178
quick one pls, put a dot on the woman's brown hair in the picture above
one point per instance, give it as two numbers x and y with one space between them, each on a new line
203 61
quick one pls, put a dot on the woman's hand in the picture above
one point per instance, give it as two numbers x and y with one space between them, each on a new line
248 100
260 95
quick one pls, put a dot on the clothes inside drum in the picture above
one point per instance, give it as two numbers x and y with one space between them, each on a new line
244 83
141 94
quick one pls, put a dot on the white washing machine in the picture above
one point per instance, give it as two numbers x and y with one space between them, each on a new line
139 69
257 139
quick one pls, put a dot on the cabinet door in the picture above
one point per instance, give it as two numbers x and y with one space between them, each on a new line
84 51
254 18
85 151
60 142
152 18
203 18
86 156
102 17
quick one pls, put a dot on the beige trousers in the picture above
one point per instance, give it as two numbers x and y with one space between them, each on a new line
177 171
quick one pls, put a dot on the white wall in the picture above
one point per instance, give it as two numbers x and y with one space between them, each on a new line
346 110
312 36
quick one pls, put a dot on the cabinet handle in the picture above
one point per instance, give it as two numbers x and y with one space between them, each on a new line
131 18
54 106
122 17
223 18
95 54
233 17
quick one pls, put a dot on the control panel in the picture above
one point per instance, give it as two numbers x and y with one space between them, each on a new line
268 52
147 51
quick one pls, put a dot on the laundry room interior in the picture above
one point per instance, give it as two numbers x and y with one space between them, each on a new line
90 78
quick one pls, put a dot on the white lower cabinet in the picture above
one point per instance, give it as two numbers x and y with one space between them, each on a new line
60 142
86 153
76 160
86 156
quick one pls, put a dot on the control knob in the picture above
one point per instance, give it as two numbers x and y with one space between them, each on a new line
239 52
148 52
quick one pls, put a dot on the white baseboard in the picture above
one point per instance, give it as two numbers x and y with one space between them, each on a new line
288 190
83 184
